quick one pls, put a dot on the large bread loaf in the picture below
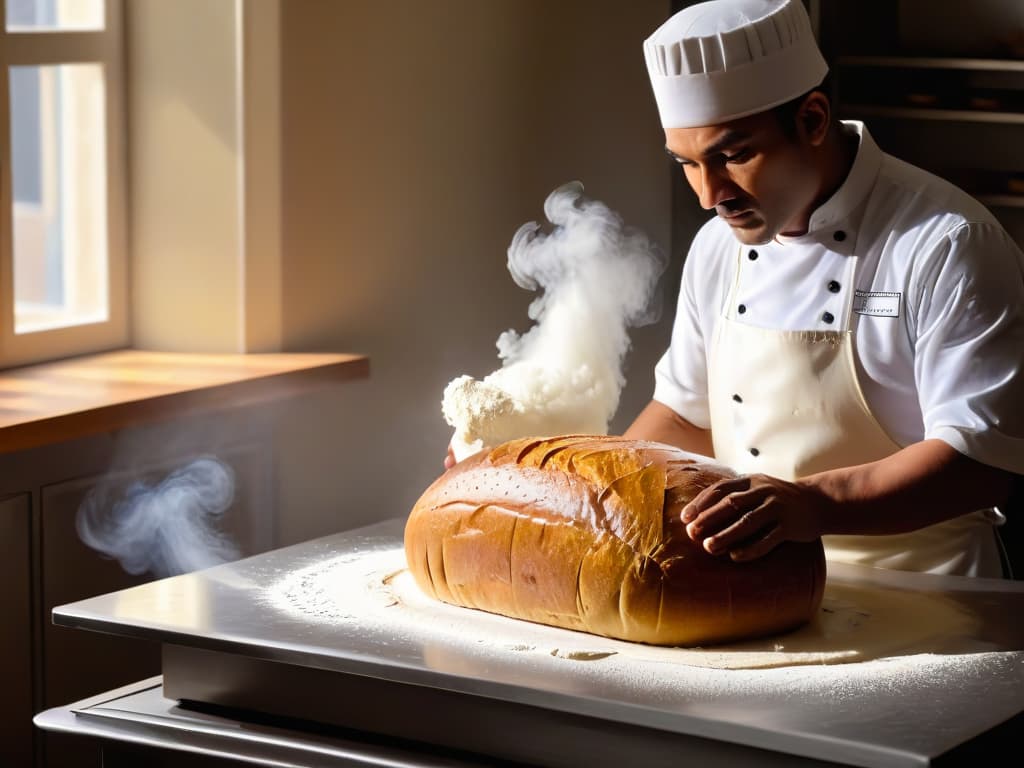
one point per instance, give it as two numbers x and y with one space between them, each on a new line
583 532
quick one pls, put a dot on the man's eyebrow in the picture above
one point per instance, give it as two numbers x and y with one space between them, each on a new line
673 155
727 139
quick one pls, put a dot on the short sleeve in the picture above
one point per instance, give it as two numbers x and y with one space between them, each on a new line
680 377
968 306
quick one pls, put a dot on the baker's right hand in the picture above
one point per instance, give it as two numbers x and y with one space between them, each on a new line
449 460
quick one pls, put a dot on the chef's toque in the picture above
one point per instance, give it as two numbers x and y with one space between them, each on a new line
725 59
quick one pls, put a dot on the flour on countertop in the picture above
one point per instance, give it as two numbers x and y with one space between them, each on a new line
863 641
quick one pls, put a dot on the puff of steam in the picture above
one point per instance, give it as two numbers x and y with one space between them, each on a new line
166 528
564 375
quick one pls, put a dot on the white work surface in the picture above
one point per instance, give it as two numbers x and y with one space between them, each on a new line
898 669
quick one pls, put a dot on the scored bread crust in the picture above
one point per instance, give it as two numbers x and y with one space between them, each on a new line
583 532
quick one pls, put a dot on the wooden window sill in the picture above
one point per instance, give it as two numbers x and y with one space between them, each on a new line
67 399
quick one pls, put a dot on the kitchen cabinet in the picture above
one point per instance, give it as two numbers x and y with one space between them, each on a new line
72 665
75 665
111 423
940 85
15 643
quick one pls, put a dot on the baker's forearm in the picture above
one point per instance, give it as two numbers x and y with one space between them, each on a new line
922 484
659 423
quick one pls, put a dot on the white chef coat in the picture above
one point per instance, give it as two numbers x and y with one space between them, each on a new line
938 306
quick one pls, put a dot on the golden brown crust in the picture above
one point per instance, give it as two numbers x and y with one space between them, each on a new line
583 532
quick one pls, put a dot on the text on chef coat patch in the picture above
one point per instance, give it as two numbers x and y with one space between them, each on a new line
877 303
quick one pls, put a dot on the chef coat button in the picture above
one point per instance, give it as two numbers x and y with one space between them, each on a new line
754 452
839 235
828 317
752 255
834 286
741 308
737 398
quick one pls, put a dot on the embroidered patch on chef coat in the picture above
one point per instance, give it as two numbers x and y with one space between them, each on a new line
877 303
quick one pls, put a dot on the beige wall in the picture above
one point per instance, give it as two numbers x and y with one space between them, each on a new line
186 205
416 138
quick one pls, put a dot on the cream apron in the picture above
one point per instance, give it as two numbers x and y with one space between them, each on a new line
788 404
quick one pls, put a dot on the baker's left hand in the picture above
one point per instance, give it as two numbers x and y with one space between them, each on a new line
748 516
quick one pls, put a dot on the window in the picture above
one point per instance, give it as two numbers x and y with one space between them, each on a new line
62 240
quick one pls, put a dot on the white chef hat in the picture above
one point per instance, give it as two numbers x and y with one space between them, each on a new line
725 59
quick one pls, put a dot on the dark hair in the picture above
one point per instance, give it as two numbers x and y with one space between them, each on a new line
786 113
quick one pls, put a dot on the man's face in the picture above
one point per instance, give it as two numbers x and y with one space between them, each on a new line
756 178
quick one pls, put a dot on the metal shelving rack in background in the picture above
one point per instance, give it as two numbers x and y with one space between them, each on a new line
940 84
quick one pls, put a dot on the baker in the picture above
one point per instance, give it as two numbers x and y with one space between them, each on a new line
850 329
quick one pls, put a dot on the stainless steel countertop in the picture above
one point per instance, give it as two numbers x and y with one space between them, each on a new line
857 713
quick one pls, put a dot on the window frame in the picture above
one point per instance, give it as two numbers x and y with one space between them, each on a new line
34 48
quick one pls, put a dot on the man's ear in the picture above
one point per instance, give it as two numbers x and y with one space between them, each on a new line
813 118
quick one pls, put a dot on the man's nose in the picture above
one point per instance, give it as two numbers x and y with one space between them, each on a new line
713 187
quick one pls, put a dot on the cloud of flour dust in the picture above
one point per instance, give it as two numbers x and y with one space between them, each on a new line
597 278
166 527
